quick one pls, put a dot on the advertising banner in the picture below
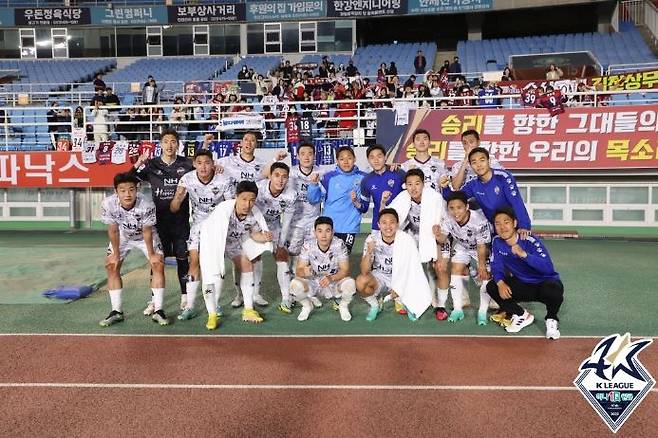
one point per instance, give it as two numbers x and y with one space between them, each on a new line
129 15
286 10
194 14
366 8
51 16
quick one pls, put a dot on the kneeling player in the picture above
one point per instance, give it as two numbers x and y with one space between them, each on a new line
131 219
471 236
324 268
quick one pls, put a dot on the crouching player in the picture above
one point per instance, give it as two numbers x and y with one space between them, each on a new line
130 218
323 268
523 271
471 236
236 229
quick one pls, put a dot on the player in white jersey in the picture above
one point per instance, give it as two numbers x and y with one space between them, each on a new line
461 171
130 218
323 269
276 200
206 189
433 168
471 235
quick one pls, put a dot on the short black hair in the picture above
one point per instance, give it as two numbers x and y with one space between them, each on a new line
306 144
390 211
254 133
203 153
509 211
324 220
415 172
459 195
345 148
472 132
279 165
478 151
375 147
420 131
169 131
125 177
246 186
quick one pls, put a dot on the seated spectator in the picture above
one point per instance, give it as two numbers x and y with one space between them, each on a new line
111 99
351 70
243 74
392 69
99 84
98 97
507 75
411 82
554 73
445 68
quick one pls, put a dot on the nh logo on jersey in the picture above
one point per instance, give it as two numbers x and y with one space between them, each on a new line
322 268
205 200
246 175
613 380
170 181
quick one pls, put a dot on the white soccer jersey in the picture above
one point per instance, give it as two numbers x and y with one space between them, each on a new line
241 229
470 174
475 232
273 207
433 169
382 262
413 219
204 197
240 170
305 213
324 262
130 222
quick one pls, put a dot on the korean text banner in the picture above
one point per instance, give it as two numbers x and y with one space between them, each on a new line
128 15
286 10
447 6
366 8
54 169
51 16
580 138
223 12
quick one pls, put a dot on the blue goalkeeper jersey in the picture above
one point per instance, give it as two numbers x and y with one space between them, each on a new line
374 185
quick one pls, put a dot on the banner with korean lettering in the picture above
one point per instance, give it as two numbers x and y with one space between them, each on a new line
51 16
285 10
580 138
366 8
223 12
626 81
129 15
447 6
54 169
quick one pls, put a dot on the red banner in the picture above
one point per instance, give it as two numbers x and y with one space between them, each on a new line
54 169
580 138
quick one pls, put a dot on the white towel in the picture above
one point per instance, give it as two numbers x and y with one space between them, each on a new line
432 210
408 279
213 241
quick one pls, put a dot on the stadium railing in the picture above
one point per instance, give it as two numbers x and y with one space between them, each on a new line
642 13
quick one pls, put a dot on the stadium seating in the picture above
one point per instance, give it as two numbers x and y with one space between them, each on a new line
260 64
368 58
49 74
615 48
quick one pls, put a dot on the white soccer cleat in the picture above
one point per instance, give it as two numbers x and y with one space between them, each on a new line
344 311
260 300
316 301
307 308
493 305
150 308
466 300
237 301
520 321
183 302
552 329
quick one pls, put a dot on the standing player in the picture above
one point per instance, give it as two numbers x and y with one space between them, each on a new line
433 168
130 218
461 171
206 189
276 200
163 174
382 184
323 269
471 235
523 271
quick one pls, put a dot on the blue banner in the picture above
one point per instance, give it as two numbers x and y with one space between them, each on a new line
129 15
286 10
7 17
447 6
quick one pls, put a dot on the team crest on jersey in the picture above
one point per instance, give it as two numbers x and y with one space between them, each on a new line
257 167
613 380
158 172
433 168
215 190
391 182
180 170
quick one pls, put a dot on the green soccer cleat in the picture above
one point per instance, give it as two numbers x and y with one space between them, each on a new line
113 318
187 314
482 318
456 315
372 313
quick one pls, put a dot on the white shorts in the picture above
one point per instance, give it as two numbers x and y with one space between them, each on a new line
194 240
125 246
445 248
329 292
233 248
463 255
298 235
383 282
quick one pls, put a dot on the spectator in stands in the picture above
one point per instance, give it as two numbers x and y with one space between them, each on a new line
99 84
194 113
507 75
148 81
554 73
351 70
411 82
99 124
243 74
583 99
420 63
455 67
381 72
111 99
52 116
178 116
392 69
78 118
158 119
445 68
287 70
261 86
98 97
150 94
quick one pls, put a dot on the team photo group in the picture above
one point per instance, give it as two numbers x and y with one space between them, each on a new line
434 230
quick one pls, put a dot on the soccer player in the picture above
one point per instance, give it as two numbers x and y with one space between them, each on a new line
461 172
433 168
206 189
471 237
382 184
130 220
163 174
493 189
323 269
226 233
415 185
337 188
522 270
276 200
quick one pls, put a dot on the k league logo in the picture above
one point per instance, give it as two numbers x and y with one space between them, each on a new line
613 380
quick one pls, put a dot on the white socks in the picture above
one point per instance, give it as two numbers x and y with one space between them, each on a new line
442 297
115 299
458 284
347 290
191 288
372 300
247 286
158 297
209 298
297 289
258 275
283 276
484 298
